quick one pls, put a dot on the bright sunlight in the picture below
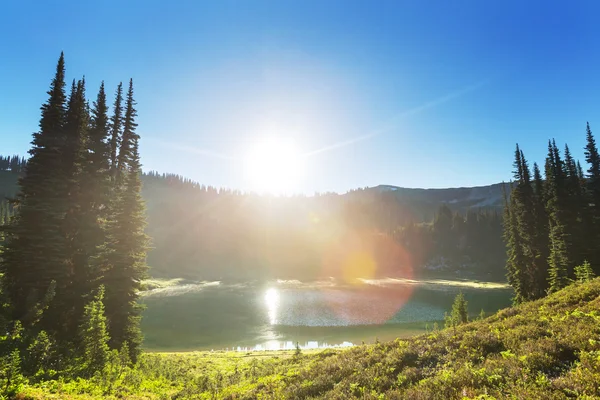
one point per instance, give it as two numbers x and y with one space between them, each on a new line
274 166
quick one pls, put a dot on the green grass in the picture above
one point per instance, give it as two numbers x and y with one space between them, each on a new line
547 349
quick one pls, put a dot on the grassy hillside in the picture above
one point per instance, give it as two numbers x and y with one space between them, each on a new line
547 349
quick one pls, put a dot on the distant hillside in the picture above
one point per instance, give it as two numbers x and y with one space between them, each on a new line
425 202
464 197
203 232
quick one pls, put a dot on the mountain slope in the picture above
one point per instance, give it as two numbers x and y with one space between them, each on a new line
425 202
547 349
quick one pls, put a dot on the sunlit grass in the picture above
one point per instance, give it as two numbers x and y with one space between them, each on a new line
547 349
157 283
437 282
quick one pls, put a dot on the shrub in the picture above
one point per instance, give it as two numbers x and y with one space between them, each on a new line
11 378
584 272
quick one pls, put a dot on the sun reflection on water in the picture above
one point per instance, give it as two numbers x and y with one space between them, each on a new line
272 300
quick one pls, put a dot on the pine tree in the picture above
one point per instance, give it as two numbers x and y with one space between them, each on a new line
514 255
528 228
584 272
576 211
129 136
558 261
115 129
580 172
523 234
94 336
541 233
592 157
62 317
459 314
35 248
126 248
92 188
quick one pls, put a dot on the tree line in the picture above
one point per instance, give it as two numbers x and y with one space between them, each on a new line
12 163
552 222
196 228
73 243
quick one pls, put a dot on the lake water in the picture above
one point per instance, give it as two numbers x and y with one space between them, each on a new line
273 315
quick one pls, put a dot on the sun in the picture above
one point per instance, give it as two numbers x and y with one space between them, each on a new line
275 166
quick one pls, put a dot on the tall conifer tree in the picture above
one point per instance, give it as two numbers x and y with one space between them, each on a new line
541 233
514 255
127 242
558 260
65 311
592 157
93 183
35 247
115 130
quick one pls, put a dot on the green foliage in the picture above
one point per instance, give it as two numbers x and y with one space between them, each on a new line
34 250
39 360
459 314
481 315
58 248
584 272
553 224
543 349
125 250
11 378
94 336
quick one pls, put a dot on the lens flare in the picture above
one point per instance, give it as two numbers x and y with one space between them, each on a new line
359 259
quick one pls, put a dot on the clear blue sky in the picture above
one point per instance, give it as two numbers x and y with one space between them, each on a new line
436 92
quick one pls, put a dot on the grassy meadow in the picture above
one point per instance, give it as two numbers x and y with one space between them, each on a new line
545 349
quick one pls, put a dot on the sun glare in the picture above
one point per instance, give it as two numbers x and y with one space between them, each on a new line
272 300
274 166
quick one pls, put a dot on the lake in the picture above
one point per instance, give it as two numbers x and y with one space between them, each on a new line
278 314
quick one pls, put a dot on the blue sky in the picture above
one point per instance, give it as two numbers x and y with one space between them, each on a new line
409 93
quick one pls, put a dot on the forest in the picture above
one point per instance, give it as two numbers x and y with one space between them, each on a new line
552 222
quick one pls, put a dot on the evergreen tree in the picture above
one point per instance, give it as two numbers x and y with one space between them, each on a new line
558 260
576 211
592 157
115 129
523 225
127 243
514 254
584 272
580 172
526 217
129 136
68 298
459 314
94 336
35 248
541 233
93 186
